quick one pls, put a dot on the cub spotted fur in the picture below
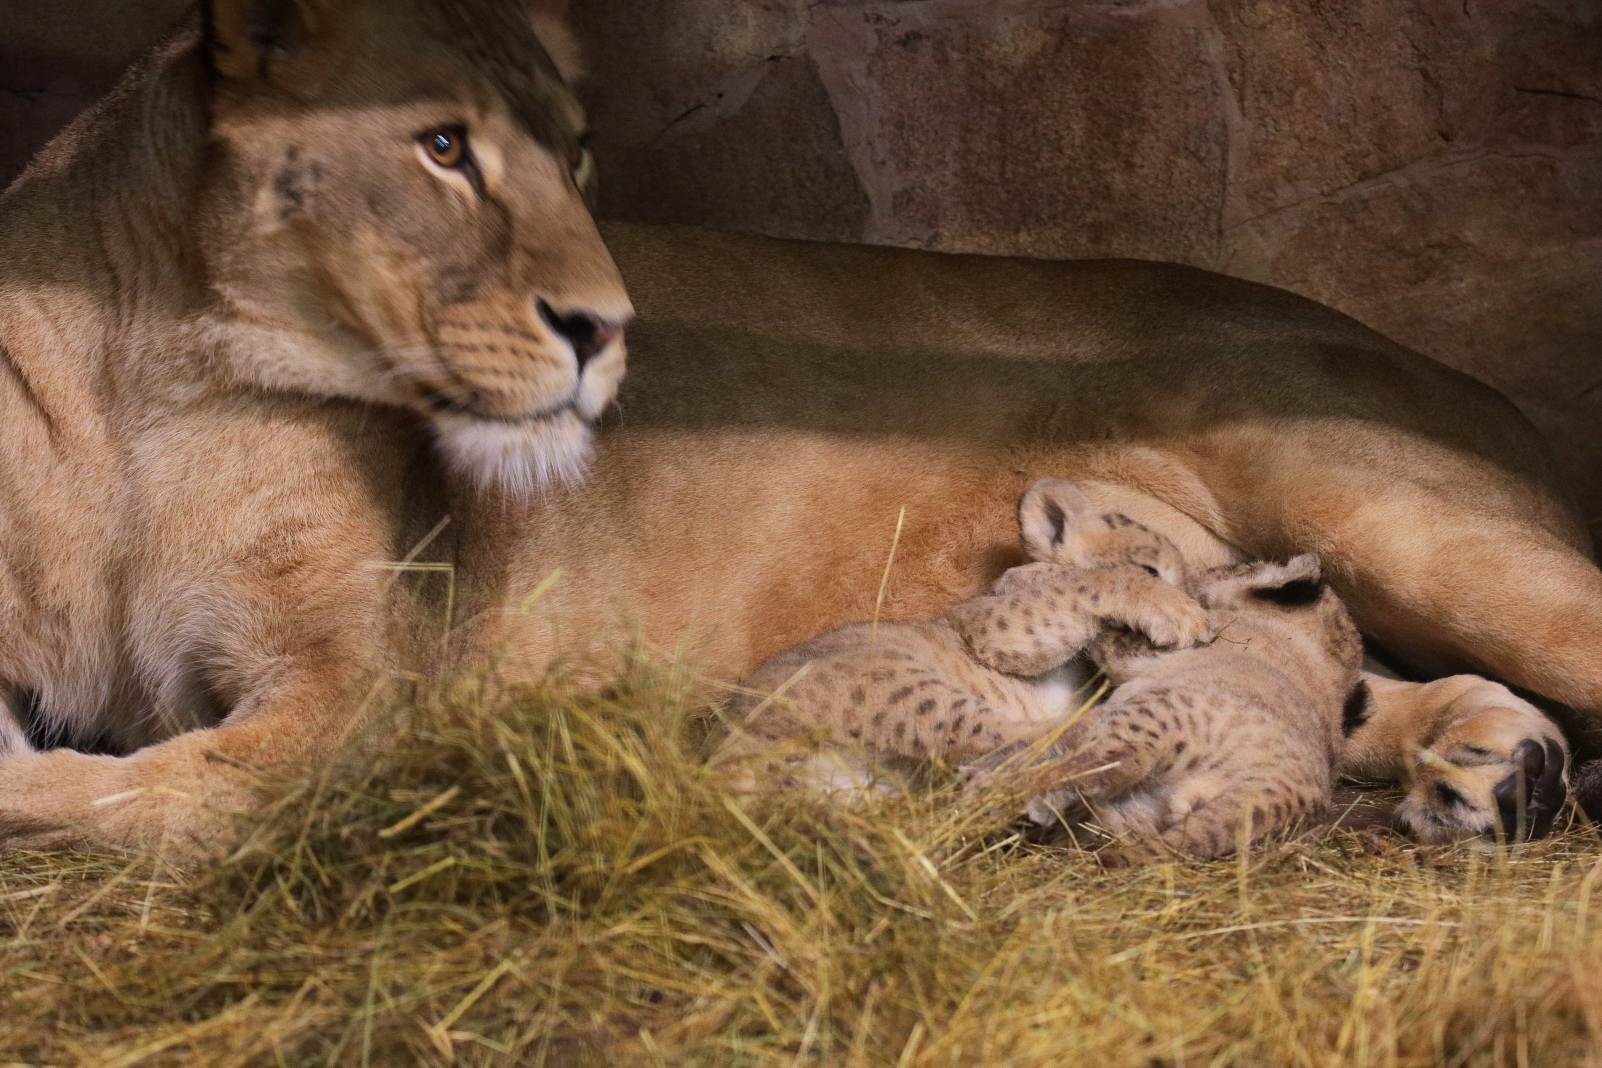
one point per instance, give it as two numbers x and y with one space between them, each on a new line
993 671
1198 749
1195 744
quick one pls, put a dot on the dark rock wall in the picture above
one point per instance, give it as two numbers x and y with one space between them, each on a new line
59 56
1432 167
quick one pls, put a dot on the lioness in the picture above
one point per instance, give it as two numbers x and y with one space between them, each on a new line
320 273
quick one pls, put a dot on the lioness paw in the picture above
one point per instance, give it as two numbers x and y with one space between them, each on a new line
1499 773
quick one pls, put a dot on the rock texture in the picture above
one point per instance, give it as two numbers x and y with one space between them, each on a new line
1432 167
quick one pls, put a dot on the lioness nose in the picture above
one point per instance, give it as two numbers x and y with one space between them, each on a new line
589 334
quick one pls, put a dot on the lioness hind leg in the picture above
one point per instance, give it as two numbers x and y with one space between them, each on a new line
1450 586
1475 758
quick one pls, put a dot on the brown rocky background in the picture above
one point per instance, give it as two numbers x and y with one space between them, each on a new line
58 56
1432 167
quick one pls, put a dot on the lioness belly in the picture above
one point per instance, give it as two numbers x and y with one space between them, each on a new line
731 545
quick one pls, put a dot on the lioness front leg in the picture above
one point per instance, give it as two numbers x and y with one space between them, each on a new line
1048 613
1474 758
181 792
13 738
284 654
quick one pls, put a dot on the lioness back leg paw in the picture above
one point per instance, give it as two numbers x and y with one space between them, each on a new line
1517 605
1494 582
1474 758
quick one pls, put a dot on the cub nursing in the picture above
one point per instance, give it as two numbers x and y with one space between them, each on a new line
1196 740
1199 748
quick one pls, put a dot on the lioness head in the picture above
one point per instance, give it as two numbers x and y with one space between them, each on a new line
395 211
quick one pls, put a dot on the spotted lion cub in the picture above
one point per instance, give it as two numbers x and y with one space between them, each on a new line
992 672
1200 748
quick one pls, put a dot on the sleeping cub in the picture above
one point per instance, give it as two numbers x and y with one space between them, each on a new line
993 671
1199 749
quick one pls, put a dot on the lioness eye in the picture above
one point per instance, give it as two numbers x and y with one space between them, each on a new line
446 147
1152 571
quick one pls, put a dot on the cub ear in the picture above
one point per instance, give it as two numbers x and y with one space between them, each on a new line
245 35
552 28
1047 512
1297 582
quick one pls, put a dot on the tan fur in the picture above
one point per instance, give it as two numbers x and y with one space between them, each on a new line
1445 741
220 297
1199 750
229 369
950 690
1245 421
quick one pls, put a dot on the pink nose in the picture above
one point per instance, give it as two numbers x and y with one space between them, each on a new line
587 333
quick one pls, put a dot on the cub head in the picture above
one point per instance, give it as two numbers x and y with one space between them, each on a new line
394 210
1296 584
1060 524
1292 596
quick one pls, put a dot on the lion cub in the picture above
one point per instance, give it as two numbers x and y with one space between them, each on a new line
1199 748
991 672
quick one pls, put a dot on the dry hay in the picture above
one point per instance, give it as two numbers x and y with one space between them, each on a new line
551 877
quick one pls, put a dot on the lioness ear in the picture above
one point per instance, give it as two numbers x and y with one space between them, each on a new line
551 27
1047 512
245 35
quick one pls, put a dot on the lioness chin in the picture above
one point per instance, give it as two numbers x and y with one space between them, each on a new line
320 275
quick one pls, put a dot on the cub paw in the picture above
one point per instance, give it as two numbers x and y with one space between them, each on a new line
993 637
1024 576
1499 773
1172 620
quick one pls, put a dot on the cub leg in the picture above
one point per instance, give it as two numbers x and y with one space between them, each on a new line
1163 774
1043 618
1208 816
1134 737
1473 757
900 697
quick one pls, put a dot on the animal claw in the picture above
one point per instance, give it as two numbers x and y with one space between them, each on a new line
1528 800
